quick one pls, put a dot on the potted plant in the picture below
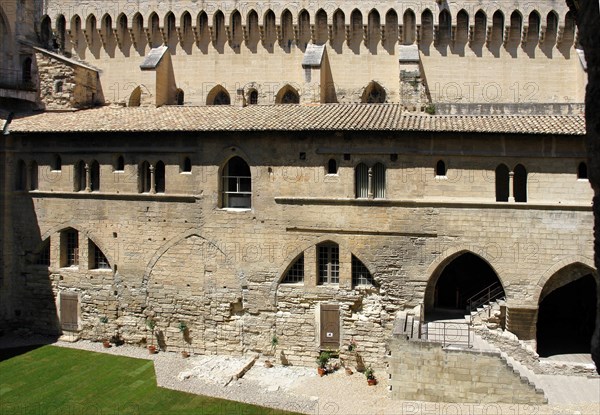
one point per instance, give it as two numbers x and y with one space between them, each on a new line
370 374
322 361
151 325
105 341
183 329
352 345
274 343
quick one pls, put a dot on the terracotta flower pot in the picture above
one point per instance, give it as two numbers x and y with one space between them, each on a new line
372 381
348 371
106 344
321 371
184 354
152 349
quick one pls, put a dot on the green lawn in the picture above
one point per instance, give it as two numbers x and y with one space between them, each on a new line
57 381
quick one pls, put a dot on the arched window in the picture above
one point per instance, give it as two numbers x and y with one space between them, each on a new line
287 95
97 259
360 273
295 273
361 181
332 167
46 32
328 258
95 176
378 181
236 184
159 173
56 163
187 165
21 176
120 164
144 178
79 180
253 97
440 168
520 183
502 183
582 171
218 96
33 176
373 94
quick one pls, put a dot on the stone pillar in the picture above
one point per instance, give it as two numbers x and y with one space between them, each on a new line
522 322
310 267
88 178
370 183
511 186
152 180
345 268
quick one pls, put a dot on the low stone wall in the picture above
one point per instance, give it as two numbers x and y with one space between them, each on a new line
427 372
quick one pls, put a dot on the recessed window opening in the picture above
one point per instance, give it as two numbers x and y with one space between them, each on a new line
332 167
329 263
295 273
236 184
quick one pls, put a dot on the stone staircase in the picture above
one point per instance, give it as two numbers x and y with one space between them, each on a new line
492 314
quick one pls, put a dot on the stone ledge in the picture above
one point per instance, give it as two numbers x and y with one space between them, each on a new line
478 204
159 197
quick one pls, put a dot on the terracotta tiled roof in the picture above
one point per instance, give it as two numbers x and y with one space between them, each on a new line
326 117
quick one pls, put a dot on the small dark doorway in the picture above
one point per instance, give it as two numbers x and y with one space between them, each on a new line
467 278
566 318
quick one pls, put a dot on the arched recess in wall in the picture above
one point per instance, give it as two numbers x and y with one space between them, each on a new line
497 33
479 33
462 281
409 26
106 35
61 32
287 30
391 31
92 36
218 96
426 36
170 32
203 40
287 95
137 26
187 32
270 31
444 30
551 32
122 35
304 34
253 31
339 31
567 310
156 39
373 31
321 30
219 35
374 93
520 183
356 31
533 33
237 33
514 37
502 183
5 37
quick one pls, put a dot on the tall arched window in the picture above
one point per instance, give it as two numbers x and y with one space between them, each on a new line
361 181
144 177
440 168
21 176
159 173
236 184
378 181
79 181
95 176
582 171
520 183
502 183
33 176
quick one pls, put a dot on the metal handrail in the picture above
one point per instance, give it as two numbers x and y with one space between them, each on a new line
489 293
447 333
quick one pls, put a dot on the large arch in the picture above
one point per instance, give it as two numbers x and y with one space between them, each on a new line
567 310
456 279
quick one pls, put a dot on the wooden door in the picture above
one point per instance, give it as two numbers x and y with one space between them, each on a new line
330 326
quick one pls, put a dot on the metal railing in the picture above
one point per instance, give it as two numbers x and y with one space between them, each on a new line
488 294
15 79
448 333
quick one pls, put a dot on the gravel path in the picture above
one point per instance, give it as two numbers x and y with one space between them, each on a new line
294 388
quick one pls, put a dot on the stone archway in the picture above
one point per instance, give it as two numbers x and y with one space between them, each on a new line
566 313
460 280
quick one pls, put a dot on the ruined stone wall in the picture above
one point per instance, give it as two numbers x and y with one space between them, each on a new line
529 66
178 257
425 372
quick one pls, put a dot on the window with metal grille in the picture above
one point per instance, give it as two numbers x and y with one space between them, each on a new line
329 263
360 273
98 259
236 184
361 181
378 181
295 273
69 241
